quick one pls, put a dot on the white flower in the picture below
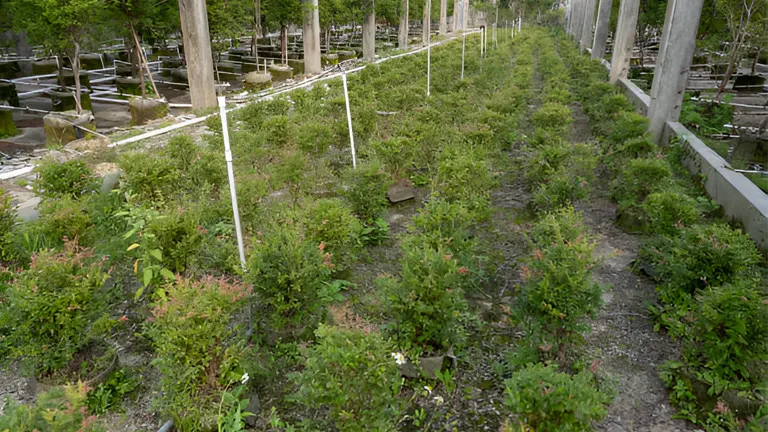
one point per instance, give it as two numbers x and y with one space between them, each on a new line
399 358
244 379
428 389
438 400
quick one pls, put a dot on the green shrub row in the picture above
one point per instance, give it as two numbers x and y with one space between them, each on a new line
708 274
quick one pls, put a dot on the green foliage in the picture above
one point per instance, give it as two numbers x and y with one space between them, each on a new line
149 177
558 292
60 409
396 154
366 191
670 211
350 377
288 272
64 179
331 223
7 222
427 303
233 420
729 340
109 394
544 399
709 118
629 125
176 235
52 308
553 117
316 137
197 347
464 177
640 178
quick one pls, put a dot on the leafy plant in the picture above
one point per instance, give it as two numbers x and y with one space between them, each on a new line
544 399
553 117
7 222
668 212
331 223
427 302
53 307
640 178
60 409
149 177
58 179
366 191
396 154
287 272
233 419
108 395
197 347
350 376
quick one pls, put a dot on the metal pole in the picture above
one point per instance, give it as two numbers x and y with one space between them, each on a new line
231 173
349 121
463 48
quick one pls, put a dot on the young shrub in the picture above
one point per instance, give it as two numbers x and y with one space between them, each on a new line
730 335
366 191
559 191
395 153
618 155
554 117
7 222
60 409
197 166
629 125
279 129
427 303
351 379
288 273
176 235
668 212
640 178
197 348
293 172
53 308
60 219
544 399
545 160
181 150
464 177
558 292
150 177
71 179
316 137
331 223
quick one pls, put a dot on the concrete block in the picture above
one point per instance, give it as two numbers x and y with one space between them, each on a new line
60 129
638 97
257 81
280 73
144 110
741 199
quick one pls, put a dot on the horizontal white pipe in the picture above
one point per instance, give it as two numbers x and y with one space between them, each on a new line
16 173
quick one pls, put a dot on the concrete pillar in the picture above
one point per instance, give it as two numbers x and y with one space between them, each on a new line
578 19
455 24
589 21
624 39
443 17
678 43
465 15
402 33
567 15
311 38
369 34
197 51
427 21
602 28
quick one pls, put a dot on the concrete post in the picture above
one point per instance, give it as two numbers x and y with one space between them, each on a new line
402 33
311 38
678 43
567 16
589 21
197 51
465 17
369 34
624 39
443 17
578 19
602 28
455 24
427 21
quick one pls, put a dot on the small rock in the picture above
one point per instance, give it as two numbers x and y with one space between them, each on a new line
399 192
254 407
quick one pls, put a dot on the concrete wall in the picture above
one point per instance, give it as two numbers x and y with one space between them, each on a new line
742 200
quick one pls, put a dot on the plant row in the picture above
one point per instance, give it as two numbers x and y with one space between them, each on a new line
708 274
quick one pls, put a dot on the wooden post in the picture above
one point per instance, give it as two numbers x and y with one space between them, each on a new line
602 28
589 21
678 43
311 38
197 52
624 39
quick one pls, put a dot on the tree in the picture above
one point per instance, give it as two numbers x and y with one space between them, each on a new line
227 20
62 26
744 18
281 13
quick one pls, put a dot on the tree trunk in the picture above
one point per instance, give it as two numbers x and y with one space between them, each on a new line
369 34
23 50
76 73
284 44
140 68
731 61
402 33
754 63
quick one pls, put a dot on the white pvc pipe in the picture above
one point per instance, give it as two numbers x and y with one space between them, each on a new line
429 64
16 173
463 48
349 120
231 174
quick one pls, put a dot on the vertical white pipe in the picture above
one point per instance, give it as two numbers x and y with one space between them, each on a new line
231 174
429 62
349 121
463 48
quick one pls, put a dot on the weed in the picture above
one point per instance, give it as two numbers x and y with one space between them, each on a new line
71 179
